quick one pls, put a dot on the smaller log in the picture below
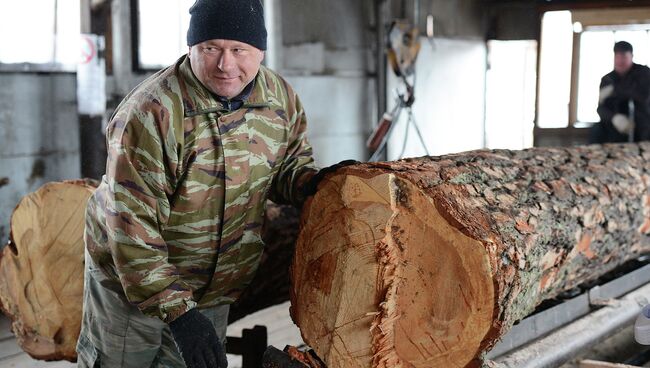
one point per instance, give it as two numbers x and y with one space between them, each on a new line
41 269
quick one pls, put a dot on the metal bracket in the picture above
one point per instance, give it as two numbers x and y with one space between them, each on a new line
250 346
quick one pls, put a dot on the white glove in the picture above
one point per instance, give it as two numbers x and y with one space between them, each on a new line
622 123
605 92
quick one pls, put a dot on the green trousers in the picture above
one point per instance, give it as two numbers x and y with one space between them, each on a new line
115 333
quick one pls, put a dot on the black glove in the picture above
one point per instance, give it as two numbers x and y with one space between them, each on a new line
312 185
197 341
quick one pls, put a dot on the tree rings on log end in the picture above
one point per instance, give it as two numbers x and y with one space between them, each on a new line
381 279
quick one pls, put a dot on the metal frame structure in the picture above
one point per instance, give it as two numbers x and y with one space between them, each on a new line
573 324
562 345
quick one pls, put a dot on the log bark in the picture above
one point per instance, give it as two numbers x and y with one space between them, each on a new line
41 269
427 262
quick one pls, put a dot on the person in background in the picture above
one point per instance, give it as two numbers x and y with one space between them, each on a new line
624 103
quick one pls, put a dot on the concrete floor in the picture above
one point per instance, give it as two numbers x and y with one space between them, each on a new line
12 356
280 328
281 332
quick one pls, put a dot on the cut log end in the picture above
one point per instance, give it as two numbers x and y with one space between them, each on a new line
42 269
423 291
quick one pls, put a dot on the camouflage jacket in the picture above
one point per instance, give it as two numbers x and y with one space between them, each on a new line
177 217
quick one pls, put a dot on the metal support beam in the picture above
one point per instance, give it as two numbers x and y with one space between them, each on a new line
381 24
273 16
122 46
251 346
92 141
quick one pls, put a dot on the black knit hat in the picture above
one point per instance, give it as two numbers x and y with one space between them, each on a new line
238 20
622 46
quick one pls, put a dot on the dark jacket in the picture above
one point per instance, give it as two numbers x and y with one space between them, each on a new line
617 91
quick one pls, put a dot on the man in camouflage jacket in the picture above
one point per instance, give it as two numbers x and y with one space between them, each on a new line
173 231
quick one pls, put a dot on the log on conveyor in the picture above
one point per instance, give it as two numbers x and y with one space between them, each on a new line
41 269
427 262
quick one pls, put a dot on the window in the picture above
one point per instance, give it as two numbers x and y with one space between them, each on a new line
162 31
510 94
555 70
596 60
49 36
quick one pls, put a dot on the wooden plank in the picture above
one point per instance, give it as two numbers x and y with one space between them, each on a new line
619 16
590 4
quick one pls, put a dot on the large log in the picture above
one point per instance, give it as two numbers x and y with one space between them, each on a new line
41 270
427 262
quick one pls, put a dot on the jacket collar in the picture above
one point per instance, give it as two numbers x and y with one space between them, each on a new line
199 100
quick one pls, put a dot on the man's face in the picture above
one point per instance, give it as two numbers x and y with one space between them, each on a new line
225 67
622 62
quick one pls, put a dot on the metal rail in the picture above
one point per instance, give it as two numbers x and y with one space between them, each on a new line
563 344
540 324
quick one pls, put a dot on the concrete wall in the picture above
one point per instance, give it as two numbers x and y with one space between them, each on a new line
450 80
452 18
327 56
449 99
39 135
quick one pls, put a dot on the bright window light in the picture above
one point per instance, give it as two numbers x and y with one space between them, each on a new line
555 69
596 60
638 39
163 31
68 25
510 94
577 27
51 34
